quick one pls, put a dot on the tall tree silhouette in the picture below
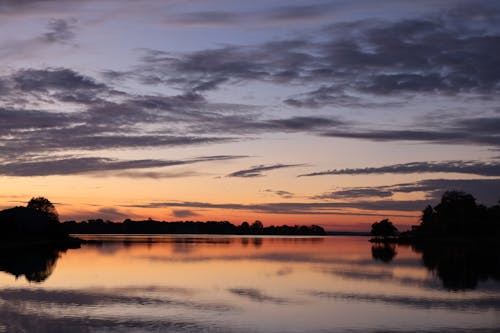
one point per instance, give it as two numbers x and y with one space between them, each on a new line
44 205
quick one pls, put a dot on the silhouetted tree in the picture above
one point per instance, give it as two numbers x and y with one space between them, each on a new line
384 229
44 206
257 227
244 228
456 211
457 214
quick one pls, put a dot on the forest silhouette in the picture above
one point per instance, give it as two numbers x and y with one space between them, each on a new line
99 226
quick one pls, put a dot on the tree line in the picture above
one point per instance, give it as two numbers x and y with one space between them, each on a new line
39 219
99 226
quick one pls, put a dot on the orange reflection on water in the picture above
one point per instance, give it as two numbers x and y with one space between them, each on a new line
263 284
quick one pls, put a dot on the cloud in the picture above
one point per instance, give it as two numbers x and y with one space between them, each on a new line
444 134
82 165
270 16
60 31
205 18
91 115
182 213
303 208
32 80
257 171
281 193
375 57
357 192
111 214
356 64
152 174
465 167
485 190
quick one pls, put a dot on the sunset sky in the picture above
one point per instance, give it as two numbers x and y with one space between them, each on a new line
337 113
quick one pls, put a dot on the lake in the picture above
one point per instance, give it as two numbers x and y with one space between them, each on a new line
187 283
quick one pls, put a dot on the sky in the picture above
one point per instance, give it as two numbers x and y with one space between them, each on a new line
336 113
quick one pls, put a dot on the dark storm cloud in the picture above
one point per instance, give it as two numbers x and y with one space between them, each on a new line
80 165
257 171
466 167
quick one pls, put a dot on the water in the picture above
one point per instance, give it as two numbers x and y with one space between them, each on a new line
247 284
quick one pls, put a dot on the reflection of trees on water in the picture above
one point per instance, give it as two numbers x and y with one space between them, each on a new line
36 264
111 243
384 252
461 266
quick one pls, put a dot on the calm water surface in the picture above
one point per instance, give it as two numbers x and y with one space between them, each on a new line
246 284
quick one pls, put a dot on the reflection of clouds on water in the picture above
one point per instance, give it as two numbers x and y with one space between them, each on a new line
151 289
258 296
15 320
466 304
91 297
284 271
382 276
54 311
